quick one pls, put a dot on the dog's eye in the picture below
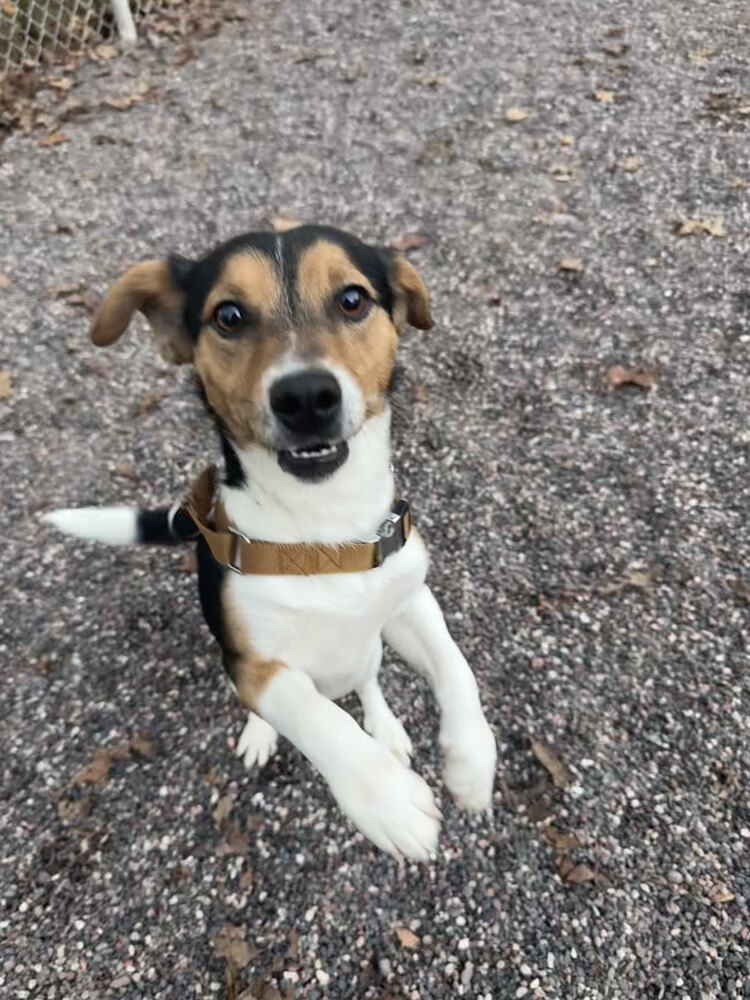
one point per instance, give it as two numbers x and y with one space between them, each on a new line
228 317
354 302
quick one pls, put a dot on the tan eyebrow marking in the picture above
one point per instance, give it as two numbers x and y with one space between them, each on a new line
250 277
323 269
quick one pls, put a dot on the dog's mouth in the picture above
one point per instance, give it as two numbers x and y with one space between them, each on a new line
313 462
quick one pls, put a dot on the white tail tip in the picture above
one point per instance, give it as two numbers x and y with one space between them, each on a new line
113 525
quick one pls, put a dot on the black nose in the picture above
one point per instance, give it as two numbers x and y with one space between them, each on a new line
307 403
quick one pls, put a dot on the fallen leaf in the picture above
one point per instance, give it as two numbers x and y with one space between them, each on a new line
5 281
576 873
63 83
514 115
616 49
557 768
637 579
150 402
246 879
61 229
569 264
97 771
95 366
711 226
222 809
283 223
566 140
309 55
560 841
409 241
701 56
142 744
427 79
407 938
604 96
8 8
630 164
721 894
230 943
741 589
738 184
725 105
73 809
106 52
235 841
63 291
54 139
126 470
6 385
644 378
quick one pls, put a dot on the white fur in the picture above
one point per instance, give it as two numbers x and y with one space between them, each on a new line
113 525
327 631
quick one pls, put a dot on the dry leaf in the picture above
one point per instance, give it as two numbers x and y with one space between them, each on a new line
616 49
8 8
222 809
569 264
574 873
738 184
64 83
150 402
560 841
246 879
604 96
721 894
409 241
513 115
638 579
566 140
6 385
72 809
644 378
106 52
95 366
235 841
407 938
712 226
283 223
126 470
5 281
54 139
741 589
142 744
230 943
701 56
97 771
630 164
557 768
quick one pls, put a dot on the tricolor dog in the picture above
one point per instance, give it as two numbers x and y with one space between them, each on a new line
307 558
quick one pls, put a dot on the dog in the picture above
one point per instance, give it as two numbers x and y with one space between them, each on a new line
306 560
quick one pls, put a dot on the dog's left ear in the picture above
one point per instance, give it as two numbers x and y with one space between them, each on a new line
154 289
412 297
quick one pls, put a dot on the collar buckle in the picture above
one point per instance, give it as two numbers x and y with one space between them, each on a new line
393 532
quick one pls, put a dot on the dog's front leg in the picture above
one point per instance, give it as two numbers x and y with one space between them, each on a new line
419 634
390 804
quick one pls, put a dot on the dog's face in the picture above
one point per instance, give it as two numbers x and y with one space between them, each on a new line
293 335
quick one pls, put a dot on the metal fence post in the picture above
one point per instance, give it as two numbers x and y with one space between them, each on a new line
124 21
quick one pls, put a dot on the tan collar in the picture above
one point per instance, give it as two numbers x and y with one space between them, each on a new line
243 555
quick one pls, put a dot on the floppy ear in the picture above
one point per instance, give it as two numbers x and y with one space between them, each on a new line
411 294
149 288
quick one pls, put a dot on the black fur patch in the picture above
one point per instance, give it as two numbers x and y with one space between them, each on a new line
234 474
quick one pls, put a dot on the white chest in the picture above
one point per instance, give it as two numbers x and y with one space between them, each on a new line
328 626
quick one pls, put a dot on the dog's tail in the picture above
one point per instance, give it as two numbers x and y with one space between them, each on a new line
126 525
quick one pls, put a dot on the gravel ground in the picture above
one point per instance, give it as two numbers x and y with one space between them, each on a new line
589 542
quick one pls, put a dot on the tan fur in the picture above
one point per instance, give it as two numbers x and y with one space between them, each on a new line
250 674
250 279
147 288
323 269
414 294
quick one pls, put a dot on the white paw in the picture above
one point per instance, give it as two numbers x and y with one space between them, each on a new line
258 741
470 757
390 804
385 729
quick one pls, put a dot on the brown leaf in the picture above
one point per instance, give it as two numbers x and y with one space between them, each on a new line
61 229
150 402
235 841
409 241
64 290
143 745
630 164
5 281
95 366
54 139
560 841
616 49
8 8
741 589
230 943
638 579
283 223
515 115
310 55
81 301
407 938
222 809
644 378
63 83
70 810
576 873
246 879
126 470
106 52
558 769
569 264
604 96
6 385
97 771
721 894
712 226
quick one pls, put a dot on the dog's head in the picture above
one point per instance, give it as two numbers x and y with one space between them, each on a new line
292 335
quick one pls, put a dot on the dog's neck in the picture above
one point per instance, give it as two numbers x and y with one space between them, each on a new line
274 506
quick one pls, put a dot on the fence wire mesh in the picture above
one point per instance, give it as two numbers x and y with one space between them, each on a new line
32 30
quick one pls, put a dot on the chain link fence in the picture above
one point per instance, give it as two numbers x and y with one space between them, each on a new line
34 30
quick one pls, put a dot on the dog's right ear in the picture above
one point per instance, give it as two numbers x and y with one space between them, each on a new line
153 288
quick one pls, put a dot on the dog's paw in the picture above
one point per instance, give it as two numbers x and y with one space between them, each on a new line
258 741
386 730
470 757
391 805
